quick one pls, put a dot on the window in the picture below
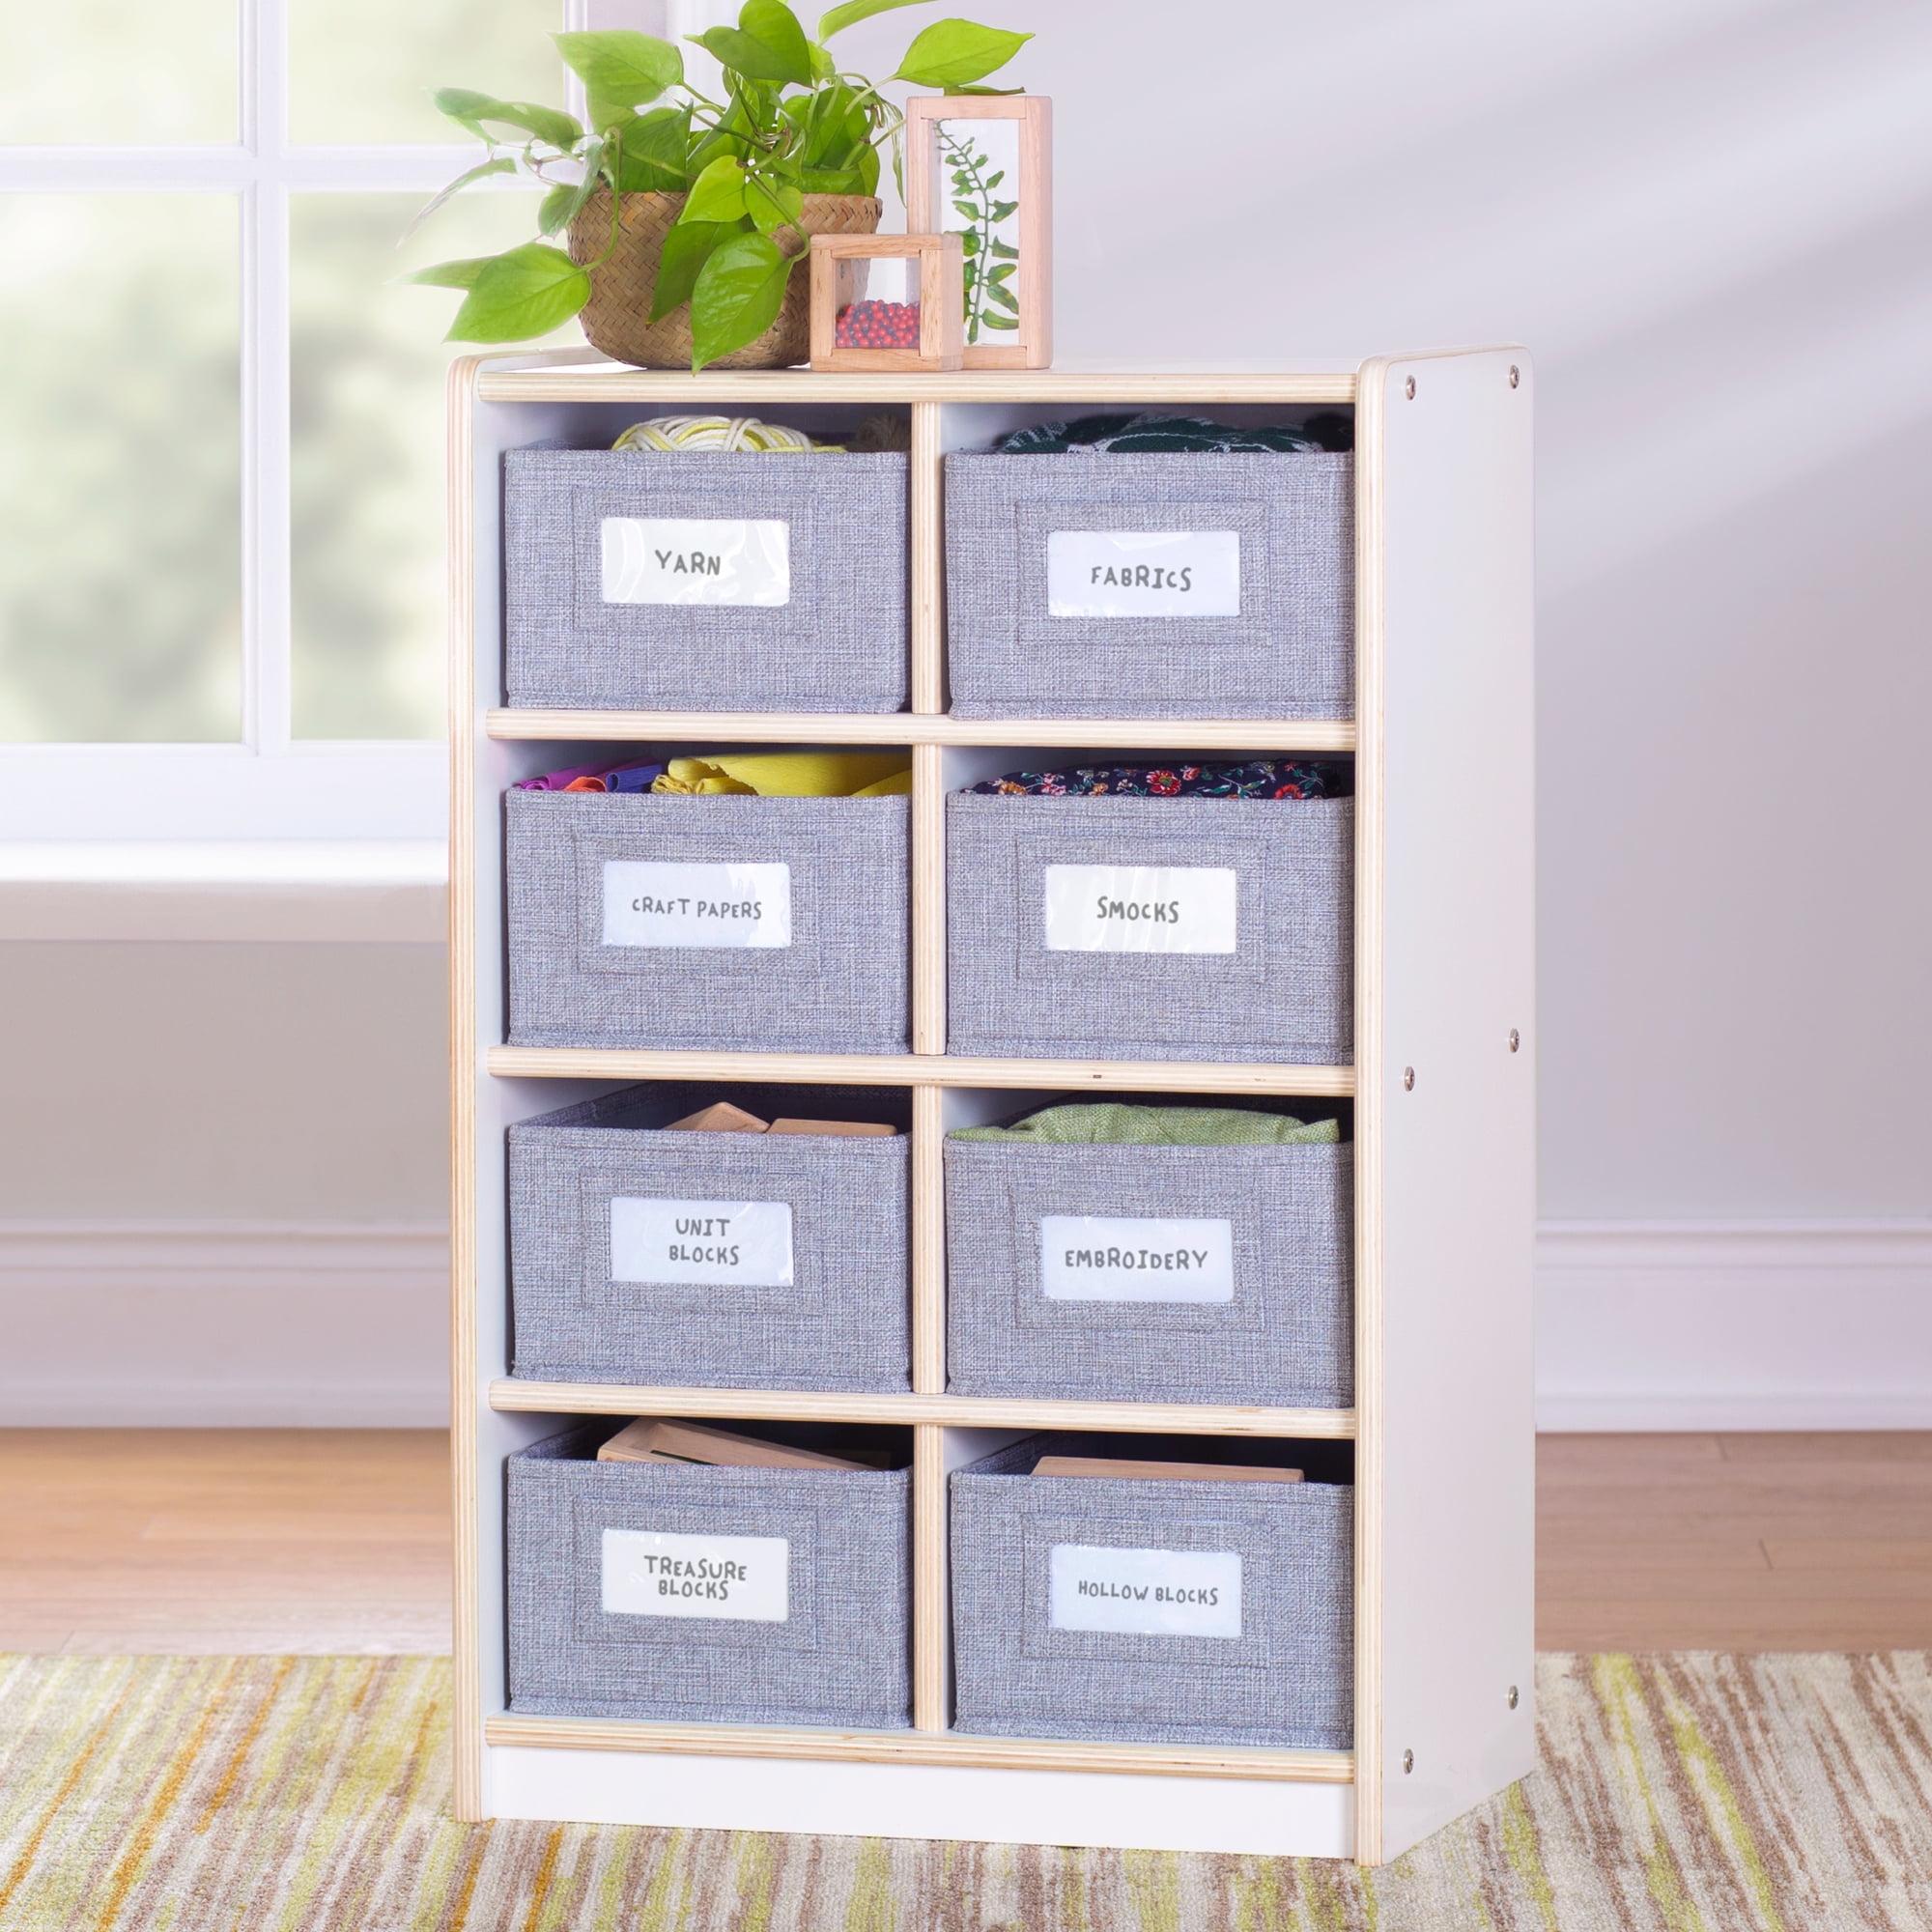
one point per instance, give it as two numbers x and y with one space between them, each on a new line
221 480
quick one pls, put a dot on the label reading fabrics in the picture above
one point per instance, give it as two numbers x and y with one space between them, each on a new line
696 560
1091 1257
1142 574
692 905
650 1573
721 1244
1147 1592
1139 908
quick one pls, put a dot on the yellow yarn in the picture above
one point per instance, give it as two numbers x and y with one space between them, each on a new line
733 433
790 774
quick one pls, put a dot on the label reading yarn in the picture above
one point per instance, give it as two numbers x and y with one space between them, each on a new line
1144 574
1092 1257
696 560
709 1243
694 905
1139 908
650 1573
1146 1592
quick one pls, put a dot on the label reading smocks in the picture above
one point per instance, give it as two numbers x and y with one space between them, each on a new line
1149 1592
1142 574
693 905
721 1244
1090 1258
696 560
650 1573
1139 908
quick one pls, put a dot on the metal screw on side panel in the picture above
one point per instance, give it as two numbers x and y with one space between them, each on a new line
1407 1762
1408 1079
1409 388
1516 376
1512 1697
1516 1039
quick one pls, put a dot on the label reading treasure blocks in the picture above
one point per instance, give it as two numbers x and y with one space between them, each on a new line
696 905
1142 574
1139 908
1147 1592
695 560
650 1573
721 1244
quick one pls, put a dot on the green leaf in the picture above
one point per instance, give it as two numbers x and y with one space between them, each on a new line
773 203
718 194
653 152
951 53
1002 271
683 252
471 110
520 293
767 44
619 69
993 321
852 11
1005 249
1000 90
560 206
966 209
970 241
1004 210
453 274
1003 297
737 295
501 164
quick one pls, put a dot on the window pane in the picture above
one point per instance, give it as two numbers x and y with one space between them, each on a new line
120 468
363 70
103 71
368 459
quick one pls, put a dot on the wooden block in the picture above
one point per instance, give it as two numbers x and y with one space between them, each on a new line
656 1439
722 1118
935 271
789 1125
1165 1472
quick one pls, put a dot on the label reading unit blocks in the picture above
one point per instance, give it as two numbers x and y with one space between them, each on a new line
696 905
1095 1258
696 560
650 1573
708 1244
1145 1592
1142 574
1141 908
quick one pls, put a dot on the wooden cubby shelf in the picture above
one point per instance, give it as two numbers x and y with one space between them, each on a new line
1440 1117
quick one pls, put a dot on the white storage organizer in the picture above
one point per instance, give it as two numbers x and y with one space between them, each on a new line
1412 1013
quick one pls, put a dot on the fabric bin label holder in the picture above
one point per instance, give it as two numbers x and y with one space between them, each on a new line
736 561
1144 574
1145 1592
1139 908
1093 1258
654 1573
708 1244
696 907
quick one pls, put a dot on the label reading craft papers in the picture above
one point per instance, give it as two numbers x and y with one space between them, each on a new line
1139 908
696 560
650 1573
721 1243
696 905
1142 574
1145 1592
1095 1258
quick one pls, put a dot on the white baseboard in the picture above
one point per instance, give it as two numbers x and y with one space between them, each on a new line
222 1324
1726 1325
1640 1325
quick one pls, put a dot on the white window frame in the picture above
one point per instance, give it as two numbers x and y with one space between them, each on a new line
268 785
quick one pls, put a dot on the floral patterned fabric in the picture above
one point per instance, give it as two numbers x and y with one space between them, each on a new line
1258 777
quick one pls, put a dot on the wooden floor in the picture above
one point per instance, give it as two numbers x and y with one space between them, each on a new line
332 1541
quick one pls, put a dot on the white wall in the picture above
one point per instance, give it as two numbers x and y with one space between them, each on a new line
1710 221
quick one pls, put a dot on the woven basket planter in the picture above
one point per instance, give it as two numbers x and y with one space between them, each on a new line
617 319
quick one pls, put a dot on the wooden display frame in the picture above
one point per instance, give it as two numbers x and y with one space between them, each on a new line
937 271
1442 1426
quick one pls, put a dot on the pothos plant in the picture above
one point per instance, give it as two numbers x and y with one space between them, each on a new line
793 123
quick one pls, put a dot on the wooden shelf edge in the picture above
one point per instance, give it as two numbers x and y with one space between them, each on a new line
962 1411
1333 736
914 1070
925 1748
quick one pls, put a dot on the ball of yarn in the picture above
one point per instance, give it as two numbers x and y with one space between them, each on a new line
732 433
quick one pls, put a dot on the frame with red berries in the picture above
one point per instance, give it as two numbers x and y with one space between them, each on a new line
922 334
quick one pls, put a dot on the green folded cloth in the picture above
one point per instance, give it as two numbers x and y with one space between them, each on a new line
1086 1123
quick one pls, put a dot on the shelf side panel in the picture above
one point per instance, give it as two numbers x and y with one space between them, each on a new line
1449 1425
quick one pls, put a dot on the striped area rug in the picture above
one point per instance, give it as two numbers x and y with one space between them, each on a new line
1688 1794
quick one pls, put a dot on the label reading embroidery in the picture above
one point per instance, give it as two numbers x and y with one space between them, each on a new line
721 1244
1139 908
1142 574
660 1574
696 905
1147 1592
1091 1257
695 560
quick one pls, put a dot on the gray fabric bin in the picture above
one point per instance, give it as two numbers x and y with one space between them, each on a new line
1026 542
803 946
815 1631
691 1259
1110 1273
1271 879
820 540
1055 1593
